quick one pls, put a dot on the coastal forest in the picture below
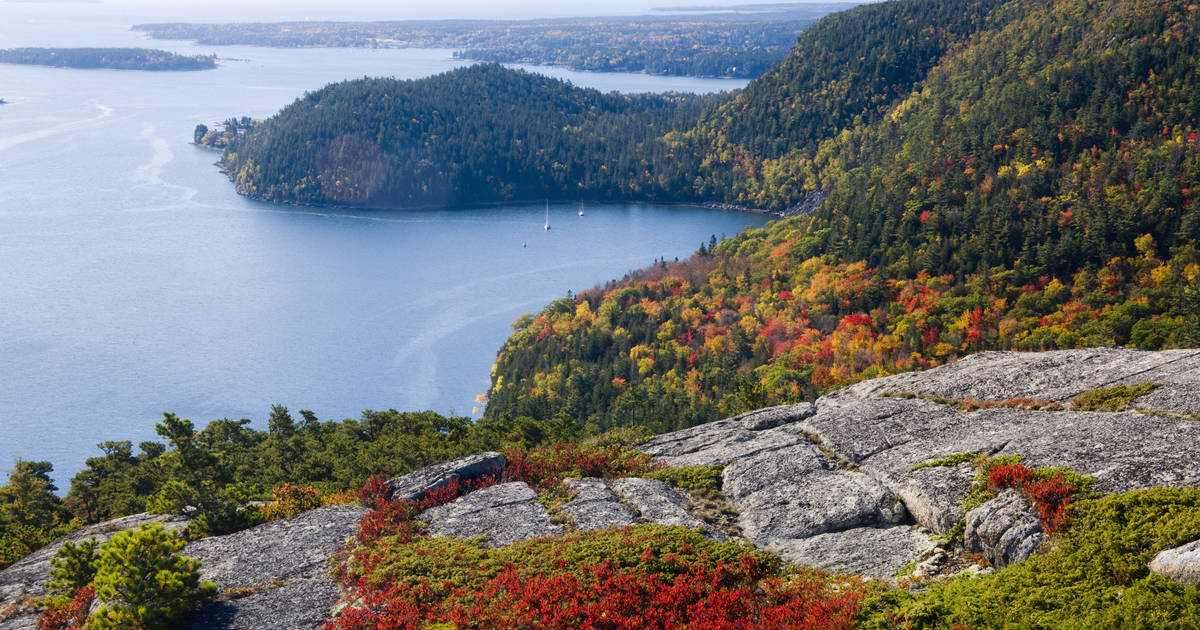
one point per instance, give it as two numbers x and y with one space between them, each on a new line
956 177
110 58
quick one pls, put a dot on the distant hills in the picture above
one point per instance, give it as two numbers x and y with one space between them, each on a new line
721 43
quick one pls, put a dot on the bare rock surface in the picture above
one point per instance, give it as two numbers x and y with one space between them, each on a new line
595 505
797 492
657 502
1181 564
1005 530
727 440
876 552
27 577
274 575
505 513
887 437
417 482
1055 376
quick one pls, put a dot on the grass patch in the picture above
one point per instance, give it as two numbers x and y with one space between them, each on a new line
702 479
1095 576
1111 398
950 461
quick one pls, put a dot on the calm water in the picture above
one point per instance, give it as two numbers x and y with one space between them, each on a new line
134 281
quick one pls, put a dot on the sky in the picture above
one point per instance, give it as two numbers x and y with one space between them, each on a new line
263 10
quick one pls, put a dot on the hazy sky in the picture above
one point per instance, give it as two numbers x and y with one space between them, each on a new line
247 10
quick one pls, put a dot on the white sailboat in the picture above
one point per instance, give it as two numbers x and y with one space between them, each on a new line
547 214
580 208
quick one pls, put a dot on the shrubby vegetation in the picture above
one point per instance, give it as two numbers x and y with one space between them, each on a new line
111 58
140 580
1095 575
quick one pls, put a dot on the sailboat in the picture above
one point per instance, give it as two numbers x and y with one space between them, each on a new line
547 214
580 208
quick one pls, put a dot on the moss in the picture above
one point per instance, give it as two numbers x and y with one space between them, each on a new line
949 461
1111 398
1095 576
703 479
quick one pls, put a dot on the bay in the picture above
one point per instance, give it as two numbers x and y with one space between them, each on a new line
133 280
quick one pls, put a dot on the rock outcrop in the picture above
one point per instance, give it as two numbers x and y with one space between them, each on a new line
1005 530
411 486
505 513
1181 564
656 502
595 506
275 575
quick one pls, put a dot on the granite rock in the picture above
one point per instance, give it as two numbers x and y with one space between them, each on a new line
505 513
595 505
1181 564
727 440
411 486
275 575
657 502
797 492
875 552
1005 530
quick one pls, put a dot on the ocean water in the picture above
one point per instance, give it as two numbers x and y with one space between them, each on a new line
134 281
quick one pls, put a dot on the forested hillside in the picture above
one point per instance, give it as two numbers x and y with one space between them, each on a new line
472 135
1035 189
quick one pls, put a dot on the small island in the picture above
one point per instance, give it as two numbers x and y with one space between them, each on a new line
108 58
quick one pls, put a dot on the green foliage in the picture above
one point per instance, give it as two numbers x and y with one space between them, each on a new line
1115 398
73 567
142 582
706 480
949 461
448 140
31 515
1094 576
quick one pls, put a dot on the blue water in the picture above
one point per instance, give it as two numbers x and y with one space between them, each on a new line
134 281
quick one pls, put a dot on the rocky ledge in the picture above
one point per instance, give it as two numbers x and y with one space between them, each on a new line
832 485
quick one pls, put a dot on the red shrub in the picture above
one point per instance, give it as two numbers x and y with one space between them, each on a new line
1008 476
545 468
1051 497
65 614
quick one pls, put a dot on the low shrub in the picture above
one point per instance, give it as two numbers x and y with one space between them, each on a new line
1094 576
1111 398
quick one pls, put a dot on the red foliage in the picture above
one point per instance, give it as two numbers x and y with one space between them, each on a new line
699 594
1050 497
855 319
65 614
375 492
1008 476
398 518
545 468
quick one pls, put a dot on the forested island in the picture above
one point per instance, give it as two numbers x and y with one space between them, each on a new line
108 58
727 44
981 175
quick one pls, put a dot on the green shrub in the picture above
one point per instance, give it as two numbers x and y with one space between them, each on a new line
143 582
1095 576
1111 398
703 479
